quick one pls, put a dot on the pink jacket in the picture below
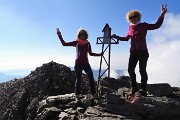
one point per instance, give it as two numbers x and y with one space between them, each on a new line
137 33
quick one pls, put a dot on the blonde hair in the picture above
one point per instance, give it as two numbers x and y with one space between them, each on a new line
133 13
82 31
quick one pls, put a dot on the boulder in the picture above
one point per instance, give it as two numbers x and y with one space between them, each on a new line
161 89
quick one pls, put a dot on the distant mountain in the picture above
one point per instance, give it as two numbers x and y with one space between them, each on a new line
21 72
13 73
5 77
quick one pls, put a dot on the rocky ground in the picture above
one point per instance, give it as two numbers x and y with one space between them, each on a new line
47 94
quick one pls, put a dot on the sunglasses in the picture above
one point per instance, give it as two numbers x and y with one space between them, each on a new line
133 17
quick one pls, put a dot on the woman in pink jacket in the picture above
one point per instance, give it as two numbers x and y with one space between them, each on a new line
83 47
138 51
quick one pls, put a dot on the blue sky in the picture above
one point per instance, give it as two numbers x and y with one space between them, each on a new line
28 33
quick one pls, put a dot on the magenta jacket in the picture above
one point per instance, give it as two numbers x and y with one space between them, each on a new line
138 34
81 50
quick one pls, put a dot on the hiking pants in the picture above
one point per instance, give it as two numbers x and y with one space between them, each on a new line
141 56
87 68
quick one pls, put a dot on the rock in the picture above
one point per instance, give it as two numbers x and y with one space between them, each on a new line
91 111
47 93
80 109
115 99
63 116
157 107
159 90
60 99
24 94
48 113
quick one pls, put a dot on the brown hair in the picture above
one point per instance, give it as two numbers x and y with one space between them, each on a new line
82 31
133 13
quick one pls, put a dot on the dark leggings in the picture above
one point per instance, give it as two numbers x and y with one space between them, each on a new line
87 68
141 56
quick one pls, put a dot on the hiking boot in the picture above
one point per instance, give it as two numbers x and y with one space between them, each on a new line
131 94
143 92
134 89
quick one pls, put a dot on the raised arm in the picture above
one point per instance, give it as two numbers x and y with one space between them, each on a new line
62 40
60 37
163 10
160 19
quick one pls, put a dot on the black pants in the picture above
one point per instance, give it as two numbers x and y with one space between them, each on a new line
87 68
141 56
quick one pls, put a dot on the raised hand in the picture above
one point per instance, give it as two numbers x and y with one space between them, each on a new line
163 10
57 29
58 32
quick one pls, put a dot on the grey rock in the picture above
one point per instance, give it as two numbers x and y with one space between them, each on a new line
48 113
115 99
161 89
63 116
47 94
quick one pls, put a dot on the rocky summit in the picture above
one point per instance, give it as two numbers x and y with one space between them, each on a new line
47 94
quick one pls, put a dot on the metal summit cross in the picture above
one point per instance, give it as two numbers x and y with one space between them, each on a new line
106 42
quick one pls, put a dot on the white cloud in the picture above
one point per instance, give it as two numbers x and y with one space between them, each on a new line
113 73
